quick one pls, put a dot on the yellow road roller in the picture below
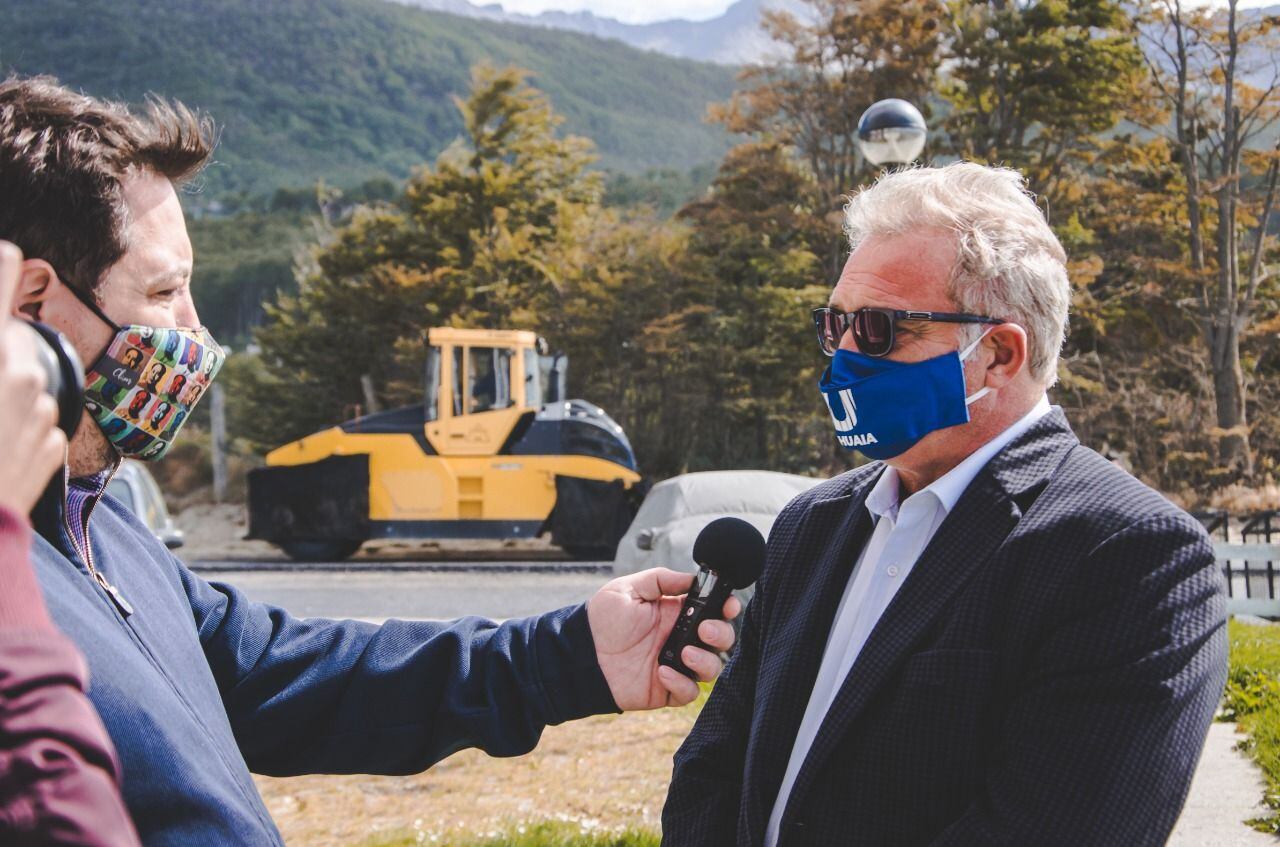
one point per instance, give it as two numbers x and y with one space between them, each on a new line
494 451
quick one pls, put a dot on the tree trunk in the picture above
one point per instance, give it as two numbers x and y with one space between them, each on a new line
1228 390
1228 376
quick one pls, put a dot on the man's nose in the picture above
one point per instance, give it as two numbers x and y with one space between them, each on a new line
185 312
847 342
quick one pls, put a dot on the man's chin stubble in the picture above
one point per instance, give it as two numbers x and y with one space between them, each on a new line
89 452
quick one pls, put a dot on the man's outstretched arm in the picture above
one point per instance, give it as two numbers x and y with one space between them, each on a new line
309 696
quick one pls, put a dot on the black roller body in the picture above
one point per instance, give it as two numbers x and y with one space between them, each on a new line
730 553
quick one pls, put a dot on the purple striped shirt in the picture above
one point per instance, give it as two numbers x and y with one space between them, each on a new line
82 493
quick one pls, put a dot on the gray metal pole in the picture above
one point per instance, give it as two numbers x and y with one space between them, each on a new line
371 406
218 442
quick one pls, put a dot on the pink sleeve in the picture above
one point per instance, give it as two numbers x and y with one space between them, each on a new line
59 779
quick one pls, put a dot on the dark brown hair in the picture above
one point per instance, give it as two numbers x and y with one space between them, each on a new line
63 157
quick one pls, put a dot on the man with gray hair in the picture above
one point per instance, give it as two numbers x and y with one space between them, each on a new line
990 634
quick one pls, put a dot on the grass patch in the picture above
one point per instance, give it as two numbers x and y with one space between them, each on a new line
541 834
1252 699
704 691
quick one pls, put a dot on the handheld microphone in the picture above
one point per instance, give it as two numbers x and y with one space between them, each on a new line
729 553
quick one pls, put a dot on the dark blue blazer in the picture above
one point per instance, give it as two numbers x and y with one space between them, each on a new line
1045 675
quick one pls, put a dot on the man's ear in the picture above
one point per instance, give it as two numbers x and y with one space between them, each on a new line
1008 344
37 280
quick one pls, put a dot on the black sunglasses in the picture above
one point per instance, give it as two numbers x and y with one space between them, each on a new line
874 329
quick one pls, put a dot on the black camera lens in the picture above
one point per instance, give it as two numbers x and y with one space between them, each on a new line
64 375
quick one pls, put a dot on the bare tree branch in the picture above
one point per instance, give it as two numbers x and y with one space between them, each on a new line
1260 240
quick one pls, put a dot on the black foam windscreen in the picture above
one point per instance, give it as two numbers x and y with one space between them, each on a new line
732 548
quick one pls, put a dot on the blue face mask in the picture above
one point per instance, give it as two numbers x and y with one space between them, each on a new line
882 408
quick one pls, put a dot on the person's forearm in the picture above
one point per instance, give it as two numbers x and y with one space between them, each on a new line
21 604
419 691
328 696
58 772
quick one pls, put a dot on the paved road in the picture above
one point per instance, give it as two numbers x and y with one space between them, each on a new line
441 593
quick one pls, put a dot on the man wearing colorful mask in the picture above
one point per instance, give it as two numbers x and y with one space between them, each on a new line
197 684
989 635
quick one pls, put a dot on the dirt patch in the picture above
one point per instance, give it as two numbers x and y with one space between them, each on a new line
609 771
216 531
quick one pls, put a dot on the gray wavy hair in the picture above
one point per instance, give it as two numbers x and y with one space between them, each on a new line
1009 263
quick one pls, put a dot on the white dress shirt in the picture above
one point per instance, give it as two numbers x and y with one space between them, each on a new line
901 533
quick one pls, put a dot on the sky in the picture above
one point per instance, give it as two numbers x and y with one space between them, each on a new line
645 11
629 11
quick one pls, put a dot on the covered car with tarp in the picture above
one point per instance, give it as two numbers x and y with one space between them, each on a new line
676 510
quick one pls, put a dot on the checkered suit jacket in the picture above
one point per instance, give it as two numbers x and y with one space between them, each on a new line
1045 675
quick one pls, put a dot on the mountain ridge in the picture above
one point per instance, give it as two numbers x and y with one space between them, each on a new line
350 90
732 38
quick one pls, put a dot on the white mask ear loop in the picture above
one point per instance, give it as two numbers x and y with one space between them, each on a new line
964 354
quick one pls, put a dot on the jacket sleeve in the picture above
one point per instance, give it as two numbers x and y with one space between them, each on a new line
58 772
1100 746
323 696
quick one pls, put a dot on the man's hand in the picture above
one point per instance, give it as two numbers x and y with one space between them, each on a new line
631 618
31 445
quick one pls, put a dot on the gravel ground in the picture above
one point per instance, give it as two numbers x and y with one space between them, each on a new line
608 771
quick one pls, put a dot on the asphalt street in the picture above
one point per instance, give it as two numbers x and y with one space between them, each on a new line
443 592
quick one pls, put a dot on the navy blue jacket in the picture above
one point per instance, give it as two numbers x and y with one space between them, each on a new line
197 685
1044 676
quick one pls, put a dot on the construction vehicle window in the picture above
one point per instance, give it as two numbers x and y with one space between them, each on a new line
457 381
489 379
502 371
432 399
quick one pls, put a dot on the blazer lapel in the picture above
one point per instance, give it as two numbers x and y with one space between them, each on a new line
984 516
795 641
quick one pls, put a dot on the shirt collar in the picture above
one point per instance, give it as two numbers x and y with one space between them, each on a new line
93 483
883 498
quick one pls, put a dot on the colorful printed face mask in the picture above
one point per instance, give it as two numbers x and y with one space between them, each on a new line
141 390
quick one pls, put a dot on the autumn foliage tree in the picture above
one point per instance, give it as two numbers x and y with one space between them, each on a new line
483 237
1034 85
1217 76
835 59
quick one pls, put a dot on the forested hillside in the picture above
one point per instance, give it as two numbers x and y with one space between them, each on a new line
348 90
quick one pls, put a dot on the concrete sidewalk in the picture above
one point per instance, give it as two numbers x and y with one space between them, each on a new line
1227 790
